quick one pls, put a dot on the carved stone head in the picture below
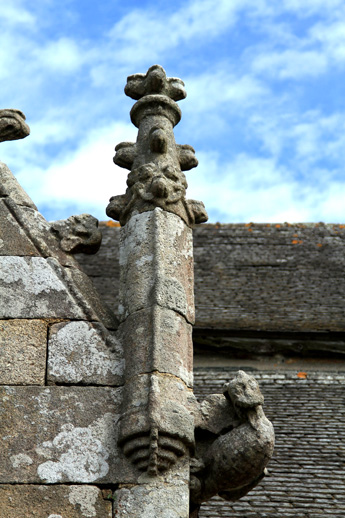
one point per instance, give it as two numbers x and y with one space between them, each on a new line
244 391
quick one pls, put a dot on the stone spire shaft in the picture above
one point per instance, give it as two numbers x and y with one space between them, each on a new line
156 428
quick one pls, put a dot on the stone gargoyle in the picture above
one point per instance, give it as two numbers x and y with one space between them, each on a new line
234 442
78 234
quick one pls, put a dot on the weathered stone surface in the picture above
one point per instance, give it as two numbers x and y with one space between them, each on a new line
156 264
59 434
163 496
10 187
233 463
78 234
13 125
88 298
23 345
83 352
13 239
38 501
157 339
157 422
35 287
31 288
39 232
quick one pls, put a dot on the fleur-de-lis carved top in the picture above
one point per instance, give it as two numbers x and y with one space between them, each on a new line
155 81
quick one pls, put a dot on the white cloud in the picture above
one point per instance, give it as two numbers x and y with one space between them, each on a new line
291 64
60 56
14 13
85 178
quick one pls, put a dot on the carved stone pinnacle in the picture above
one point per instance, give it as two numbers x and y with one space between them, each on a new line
156 162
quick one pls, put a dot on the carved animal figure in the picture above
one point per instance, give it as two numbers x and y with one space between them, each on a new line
234 462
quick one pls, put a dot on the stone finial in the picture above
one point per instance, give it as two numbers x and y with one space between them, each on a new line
156 162
13 125
155 81
78 234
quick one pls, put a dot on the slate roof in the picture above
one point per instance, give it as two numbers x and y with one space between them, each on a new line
261 288
307 473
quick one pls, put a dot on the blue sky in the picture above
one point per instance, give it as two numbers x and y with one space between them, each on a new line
265 109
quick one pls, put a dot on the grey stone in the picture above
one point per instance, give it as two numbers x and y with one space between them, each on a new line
35 287
40 233
233 464
156 264
10 187
31 288
84 352
23 345
38 501
157 340
86 296
157 421
13 125
13 239
164 496
59 434
79 234
156 162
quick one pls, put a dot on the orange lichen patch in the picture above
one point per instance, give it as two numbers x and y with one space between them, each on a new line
248 224
111 223
250 229
295 235
302 375
278 226
341 226
319 244
295 241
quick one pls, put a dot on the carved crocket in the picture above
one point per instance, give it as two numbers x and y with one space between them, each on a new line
13 125
234 442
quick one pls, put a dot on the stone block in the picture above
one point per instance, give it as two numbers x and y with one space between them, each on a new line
156 259
13 239
163 496
10 188
38 501
81 352
158 339
87 297
23 345
33 287
59 435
